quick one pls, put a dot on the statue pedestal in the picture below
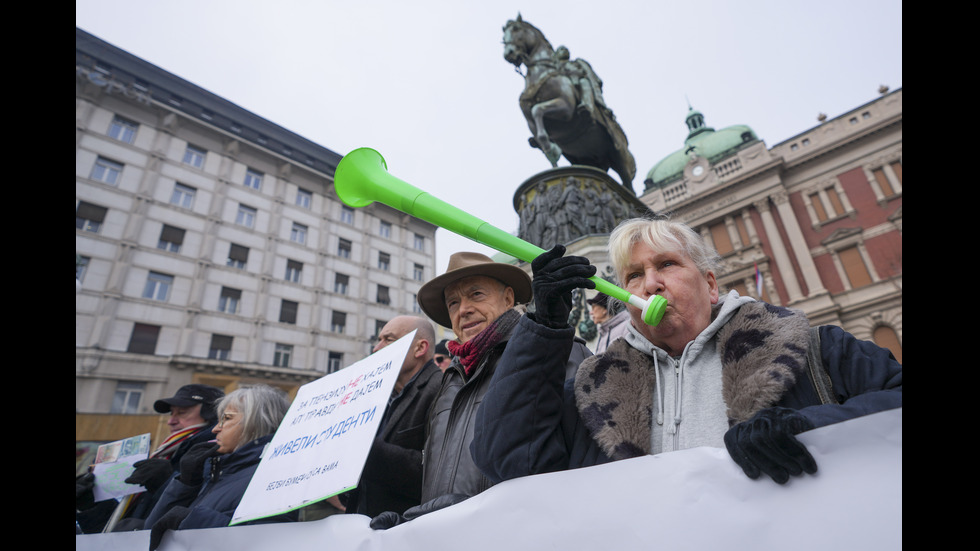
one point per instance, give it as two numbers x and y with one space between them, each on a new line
577 206
564 204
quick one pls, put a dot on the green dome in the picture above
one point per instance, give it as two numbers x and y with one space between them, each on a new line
705 142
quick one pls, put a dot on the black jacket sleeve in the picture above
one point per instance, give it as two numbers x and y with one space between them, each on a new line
866 378
518 430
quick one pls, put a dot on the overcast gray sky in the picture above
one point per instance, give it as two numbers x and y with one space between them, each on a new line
424 82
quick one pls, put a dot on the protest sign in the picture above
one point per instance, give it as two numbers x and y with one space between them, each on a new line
114 463
322 443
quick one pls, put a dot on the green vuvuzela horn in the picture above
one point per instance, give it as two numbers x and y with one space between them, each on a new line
362 178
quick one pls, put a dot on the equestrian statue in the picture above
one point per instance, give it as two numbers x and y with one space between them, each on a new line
563 105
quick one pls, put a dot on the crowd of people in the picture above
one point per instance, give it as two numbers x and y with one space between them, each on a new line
517 393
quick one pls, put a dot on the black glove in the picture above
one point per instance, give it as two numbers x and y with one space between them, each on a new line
150 473
553 278
169 521
389 519
192 463
767 443
84 497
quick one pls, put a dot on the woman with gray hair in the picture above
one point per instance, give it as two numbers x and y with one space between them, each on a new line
214 475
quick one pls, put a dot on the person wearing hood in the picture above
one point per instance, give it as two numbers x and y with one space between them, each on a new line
611 320
718 370
482 302
214 475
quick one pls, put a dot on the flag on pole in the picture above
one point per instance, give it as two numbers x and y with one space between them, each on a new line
758 281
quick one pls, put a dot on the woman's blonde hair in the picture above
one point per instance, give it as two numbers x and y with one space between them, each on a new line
660 235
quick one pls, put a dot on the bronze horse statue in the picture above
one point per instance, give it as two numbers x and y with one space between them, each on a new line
563 105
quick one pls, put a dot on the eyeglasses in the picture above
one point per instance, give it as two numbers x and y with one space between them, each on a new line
439 359
224 419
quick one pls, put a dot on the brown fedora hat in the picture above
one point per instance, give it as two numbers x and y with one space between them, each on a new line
461 265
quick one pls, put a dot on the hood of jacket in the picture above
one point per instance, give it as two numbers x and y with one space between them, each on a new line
762 349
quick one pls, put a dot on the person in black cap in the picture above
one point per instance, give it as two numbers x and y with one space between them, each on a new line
192 416
442 357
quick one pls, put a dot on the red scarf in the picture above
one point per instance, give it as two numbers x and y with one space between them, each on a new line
472 351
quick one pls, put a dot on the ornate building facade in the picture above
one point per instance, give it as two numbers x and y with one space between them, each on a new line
813 223
211 247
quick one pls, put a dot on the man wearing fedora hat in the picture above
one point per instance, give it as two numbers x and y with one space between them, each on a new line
481 301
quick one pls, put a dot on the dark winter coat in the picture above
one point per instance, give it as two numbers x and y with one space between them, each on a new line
213 504
448 467
532 422
392 475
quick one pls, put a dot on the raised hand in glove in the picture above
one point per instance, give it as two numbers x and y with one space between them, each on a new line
150 473
192 463
169 521
767 443
553 278
389 519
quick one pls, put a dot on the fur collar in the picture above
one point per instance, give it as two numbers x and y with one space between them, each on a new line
763 350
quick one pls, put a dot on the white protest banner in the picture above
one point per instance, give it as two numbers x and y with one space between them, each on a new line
690 500
322 443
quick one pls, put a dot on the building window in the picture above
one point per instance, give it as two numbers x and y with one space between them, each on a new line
854 267
418 273
158 286
719 236
282 355
346 214
229 300
420 242
171 239
127 397
287 311
122 129
886 337
384 261
194 156
384 297
378 326
334 361
143 340
415 304
237 256
253 179
827 204
294 270
220 347
338 322
889 180
385 229
183 195
340 283
343 248
298 233
81 266
89 217
106 171
245 216
304 198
